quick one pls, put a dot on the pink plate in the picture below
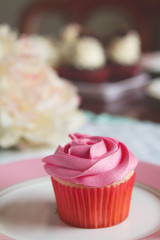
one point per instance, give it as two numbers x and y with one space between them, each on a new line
22 171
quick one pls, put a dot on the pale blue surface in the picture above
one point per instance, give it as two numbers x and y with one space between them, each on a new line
141 137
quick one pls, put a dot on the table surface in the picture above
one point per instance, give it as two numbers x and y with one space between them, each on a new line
134 105
141 137
129 98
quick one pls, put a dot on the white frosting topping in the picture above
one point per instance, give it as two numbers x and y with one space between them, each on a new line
70 32
88 53
125 50
153 89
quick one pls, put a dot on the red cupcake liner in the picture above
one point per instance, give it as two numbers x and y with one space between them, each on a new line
93 207
121 72
95 76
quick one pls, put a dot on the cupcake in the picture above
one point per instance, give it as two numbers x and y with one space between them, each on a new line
93 178
88 53
124 52
152 93
70 32
68 36
85 61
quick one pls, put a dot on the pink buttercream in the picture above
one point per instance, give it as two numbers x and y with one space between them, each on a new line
91 161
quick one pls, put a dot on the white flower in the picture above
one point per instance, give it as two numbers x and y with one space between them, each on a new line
38 47
7 40
36 106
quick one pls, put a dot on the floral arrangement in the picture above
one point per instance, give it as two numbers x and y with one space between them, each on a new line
36 46
37 107
32 46
8 38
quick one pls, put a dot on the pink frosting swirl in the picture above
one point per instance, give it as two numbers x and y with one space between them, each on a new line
93 161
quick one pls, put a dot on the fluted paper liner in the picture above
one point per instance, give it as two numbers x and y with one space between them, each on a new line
93 207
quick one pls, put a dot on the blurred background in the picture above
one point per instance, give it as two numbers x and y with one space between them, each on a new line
87 66
102 56
103 17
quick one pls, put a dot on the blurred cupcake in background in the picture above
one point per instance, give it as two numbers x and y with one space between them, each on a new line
152 92
125 49
83 53
124 53
83 56
88 53
41 48
68 35
37 107
8 38
70 32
